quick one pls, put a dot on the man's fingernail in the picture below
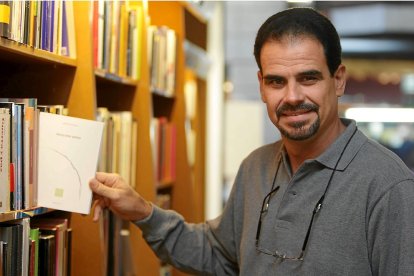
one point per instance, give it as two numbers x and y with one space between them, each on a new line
93 184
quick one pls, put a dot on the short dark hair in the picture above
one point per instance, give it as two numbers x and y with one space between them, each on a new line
299 22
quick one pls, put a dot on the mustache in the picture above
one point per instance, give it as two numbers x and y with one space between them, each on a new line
303 107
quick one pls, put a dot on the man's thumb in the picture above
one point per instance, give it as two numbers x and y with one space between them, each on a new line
99 188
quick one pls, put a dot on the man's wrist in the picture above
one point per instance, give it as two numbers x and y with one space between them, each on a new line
144 210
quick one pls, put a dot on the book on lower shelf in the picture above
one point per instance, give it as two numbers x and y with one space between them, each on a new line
47 257
16 235
58 228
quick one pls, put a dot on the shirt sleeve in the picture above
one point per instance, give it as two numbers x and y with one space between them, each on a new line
192 248
391 231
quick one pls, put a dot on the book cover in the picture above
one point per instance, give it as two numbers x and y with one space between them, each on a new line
70 26
124 143
10 34
114 38
171 56
103 115
32 18
58 228
4 160
16 234
100 38
10 107
107 34
4 18
23 244
19 175
123 40
127 264
64 46
26 22
51 26
46 255
44 25
32 248
56 38
38 26
25 153
29 142
95 19
130 42
69 232
68 158
134 153
34 237
3 258
6 236
137 32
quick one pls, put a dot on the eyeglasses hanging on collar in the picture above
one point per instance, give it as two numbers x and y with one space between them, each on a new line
316 209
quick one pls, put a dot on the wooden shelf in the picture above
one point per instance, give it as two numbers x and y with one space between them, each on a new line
115 78
15 51
54 79
165 186
13 215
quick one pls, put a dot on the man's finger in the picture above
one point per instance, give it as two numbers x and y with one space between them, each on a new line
97 210
100 189
108 179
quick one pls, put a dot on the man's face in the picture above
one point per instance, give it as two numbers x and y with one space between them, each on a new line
297 88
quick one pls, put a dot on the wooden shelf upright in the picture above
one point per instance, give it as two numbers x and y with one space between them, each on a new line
26 72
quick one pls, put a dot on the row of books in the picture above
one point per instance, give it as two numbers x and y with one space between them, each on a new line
116 241
46 25
118 152
19 122
162 56
117 37
118 155
164 147
38 246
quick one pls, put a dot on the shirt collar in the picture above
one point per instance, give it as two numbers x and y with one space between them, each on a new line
330 156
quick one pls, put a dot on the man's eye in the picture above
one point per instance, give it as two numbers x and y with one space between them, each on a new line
274 82
308 80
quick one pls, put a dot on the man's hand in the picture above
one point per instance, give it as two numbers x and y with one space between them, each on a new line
111 191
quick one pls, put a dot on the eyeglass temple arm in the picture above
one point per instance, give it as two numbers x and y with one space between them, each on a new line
315 210
263 210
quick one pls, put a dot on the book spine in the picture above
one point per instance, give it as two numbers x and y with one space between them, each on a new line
19 195
47 255
4 160
4 18
43 24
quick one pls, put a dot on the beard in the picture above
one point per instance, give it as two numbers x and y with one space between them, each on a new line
299 130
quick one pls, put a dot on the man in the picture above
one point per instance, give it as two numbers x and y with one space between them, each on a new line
325 200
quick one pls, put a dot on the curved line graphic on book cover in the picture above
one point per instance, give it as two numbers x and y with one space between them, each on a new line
65 157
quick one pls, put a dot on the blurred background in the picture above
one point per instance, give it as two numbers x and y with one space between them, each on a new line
378 49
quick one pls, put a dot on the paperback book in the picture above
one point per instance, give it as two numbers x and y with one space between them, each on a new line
68 158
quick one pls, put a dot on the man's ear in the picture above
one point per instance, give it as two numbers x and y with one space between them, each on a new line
260 78
340 80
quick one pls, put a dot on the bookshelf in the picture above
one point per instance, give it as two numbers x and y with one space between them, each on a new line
82 86
187 190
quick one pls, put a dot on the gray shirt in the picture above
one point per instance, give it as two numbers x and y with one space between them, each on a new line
365 227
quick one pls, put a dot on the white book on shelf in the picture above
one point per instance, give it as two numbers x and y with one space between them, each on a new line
4 160
68 158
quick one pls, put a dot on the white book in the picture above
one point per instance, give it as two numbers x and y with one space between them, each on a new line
4 160
101 30
68 158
